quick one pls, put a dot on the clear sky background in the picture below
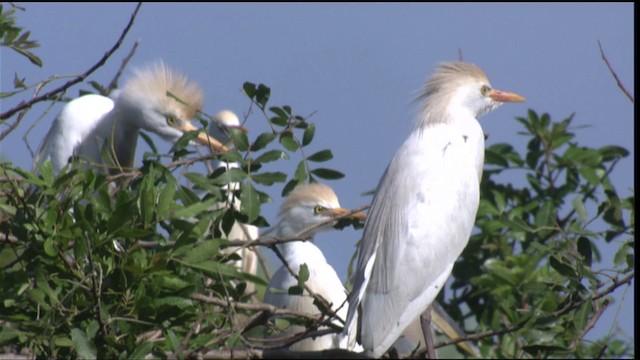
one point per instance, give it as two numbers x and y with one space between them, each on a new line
356 66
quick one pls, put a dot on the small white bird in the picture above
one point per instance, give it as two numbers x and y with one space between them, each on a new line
306 206
223 121
424 208
89 122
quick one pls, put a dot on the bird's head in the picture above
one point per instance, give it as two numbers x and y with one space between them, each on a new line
222 122
309 205
461 86
162 101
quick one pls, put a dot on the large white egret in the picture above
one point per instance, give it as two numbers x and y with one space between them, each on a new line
89 122
306 206
424 208
248 263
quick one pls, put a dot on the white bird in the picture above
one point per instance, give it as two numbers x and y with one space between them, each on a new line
89 122
424 208
222 121
306 206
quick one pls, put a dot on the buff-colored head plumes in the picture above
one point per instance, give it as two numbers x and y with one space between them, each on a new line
310 193
441 86
157 81
451 75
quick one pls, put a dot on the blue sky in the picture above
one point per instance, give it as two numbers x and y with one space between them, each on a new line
356 67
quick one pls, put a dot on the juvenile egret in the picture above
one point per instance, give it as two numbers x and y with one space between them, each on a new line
249 259
89 122
306 206
424 208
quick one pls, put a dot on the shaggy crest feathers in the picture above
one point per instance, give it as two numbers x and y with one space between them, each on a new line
310 193
444 81
156 80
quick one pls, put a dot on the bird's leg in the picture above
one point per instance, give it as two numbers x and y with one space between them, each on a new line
425 322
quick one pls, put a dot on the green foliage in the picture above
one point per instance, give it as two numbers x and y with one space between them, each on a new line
100 263
530 266
123 266
14 38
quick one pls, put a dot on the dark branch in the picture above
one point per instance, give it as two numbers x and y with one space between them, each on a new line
24 105
615 76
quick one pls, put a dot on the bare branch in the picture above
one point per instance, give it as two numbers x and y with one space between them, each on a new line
114 82
615 76
24 105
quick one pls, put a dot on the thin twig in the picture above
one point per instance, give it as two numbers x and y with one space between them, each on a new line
24 105
114 82
253 306
615 76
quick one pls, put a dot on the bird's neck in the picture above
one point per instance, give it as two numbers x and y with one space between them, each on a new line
298 252
463 120
122 139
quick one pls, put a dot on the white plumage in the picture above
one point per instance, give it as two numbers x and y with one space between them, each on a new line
89 122
306 206
248 262
424 208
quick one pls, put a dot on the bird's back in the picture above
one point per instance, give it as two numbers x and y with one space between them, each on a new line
71 128
422 215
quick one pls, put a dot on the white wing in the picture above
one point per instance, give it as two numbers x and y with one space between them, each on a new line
324 281
419 222
71 128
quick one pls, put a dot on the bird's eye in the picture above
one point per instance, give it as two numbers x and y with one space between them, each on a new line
485 90
318 209
171 121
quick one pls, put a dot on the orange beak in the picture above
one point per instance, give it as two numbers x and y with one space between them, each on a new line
504 96
342 211
204 139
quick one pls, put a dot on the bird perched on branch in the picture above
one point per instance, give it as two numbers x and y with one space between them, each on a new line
221 123
91 122
424 208
307 206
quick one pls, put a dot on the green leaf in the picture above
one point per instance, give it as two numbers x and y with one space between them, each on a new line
288 142
250 202
585 249
176 301
321 156
303 274
268 178
262 141
327 173
578 205
142 350
194 209
205 250
166 200
49 249
562 268
582 314
85 348
272 155
249 89
227 176
309 132
263 93
301 172
240 138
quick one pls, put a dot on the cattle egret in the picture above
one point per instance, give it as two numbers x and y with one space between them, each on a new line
306 206
248 262
86 123
424 208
